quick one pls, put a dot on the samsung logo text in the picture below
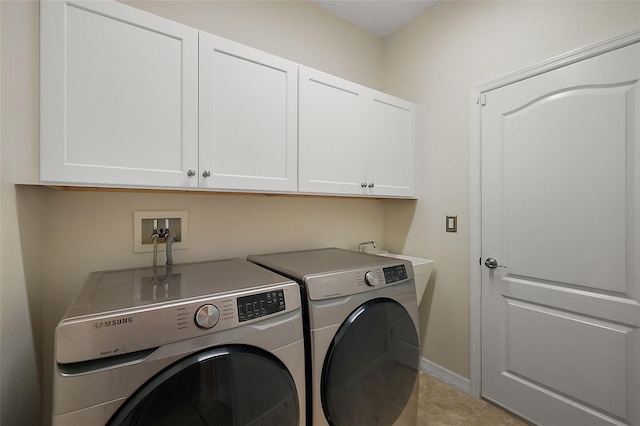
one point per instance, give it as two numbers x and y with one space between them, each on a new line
111 323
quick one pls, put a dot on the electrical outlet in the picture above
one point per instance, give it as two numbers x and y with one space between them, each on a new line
143 229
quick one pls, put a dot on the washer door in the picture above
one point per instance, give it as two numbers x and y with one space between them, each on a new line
371 366
231 385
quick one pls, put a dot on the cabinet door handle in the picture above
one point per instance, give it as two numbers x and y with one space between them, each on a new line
371 185
206 173
363 185
191 173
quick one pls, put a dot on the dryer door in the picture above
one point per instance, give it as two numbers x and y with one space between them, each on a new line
231 385
371 367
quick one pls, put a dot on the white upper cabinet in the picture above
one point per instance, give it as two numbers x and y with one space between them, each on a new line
248 118
354 140
119 97
332 137
391 170
130 99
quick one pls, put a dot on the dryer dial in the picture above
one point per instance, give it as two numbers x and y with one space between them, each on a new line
207 316
371 279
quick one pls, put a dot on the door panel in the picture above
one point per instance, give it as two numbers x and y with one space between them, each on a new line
392 165
117 80
569 152
248 125
552 362
560 211
332 137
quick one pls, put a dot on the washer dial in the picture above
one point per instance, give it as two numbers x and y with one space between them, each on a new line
207 316
371 279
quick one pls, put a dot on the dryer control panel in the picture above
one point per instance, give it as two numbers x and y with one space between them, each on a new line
393 274
345 283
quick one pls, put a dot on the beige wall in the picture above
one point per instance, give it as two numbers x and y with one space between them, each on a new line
20 232
434 61
296 30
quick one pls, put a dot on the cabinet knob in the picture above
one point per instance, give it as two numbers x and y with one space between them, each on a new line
191 173
363 185
371 185
206 173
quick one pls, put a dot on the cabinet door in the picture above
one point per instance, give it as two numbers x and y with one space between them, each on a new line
248 118
118 96
332 150
391 169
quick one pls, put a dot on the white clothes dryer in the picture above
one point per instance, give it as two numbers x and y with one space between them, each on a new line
212 343
361 330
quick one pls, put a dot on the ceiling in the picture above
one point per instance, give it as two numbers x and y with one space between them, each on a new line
379 17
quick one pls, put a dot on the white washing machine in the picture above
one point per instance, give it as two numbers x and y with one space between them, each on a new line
361 326
212 343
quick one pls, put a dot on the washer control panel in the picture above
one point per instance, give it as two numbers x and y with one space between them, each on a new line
122 332
394 274
260 305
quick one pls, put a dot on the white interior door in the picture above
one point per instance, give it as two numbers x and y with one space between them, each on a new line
561 212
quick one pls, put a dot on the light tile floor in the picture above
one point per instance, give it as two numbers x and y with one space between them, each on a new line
442 405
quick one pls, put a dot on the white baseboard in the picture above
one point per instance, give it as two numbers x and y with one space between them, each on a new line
444 375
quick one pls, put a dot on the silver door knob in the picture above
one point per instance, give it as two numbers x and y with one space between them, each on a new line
492 263
206 173
191 173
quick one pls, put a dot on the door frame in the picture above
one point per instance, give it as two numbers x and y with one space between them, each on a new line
477 99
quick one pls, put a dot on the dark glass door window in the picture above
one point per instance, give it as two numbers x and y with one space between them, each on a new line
371 366
227 386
